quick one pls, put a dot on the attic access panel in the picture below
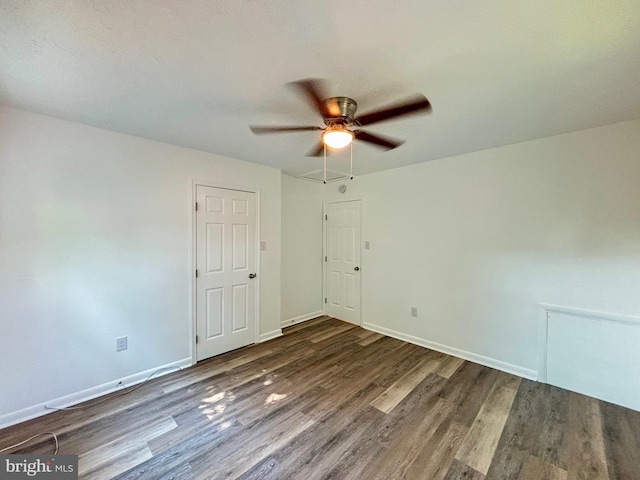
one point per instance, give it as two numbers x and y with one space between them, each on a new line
317 176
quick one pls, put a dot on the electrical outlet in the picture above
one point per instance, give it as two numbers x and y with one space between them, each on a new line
366 244
121 344
414 311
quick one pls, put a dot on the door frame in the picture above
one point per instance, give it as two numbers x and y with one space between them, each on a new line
325 203
194 183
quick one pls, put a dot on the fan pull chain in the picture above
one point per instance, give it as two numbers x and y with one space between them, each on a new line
324 149
351 173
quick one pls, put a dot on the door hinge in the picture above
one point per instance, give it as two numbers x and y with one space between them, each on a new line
325 299
196 206
196 273
197 339
325 258
326 218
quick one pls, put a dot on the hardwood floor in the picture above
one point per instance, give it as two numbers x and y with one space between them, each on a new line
329 400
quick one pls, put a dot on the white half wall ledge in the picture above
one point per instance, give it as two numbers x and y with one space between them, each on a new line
270 335
580 312
523 372
41 409
301 318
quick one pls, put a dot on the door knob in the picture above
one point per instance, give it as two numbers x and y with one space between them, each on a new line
253 275
357 269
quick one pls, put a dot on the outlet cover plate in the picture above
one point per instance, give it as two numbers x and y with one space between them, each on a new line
121 344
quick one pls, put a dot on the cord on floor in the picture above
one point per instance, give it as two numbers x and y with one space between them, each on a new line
81 407
55 438
123 392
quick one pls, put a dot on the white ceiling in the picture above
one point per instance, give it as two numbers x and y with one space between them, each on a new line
197 73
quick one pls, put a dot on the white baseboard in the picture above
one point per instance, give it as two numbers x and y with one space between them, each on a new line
39 409
301 318
456 352
270 335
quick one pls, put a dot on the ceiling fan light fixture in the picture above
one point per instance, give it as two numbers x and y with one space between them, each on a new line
337 137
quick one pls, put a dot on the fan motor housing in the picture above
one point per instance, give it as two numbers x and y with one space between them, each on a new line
342 110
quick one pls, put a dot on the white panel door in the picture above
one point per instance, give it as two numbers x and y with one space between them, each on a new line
226 267
343 260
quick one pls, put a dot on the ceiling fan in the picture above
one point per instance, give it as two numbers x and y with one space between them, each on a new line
339 116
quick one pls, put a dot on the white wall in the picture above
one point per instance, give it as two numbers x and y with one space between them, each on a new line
477 241
95 243
302 249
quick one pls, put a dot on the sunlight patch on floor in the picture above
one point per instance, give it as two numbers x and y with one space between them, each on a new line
214 398
215 405
274 397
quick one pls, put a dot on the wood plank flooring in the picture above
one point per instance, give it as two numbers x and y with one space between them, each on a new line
329 400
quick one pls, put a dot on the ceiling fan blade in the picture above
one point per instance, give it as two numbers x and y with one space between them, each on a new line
413 105
379 141
260 129
317 150
313 90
